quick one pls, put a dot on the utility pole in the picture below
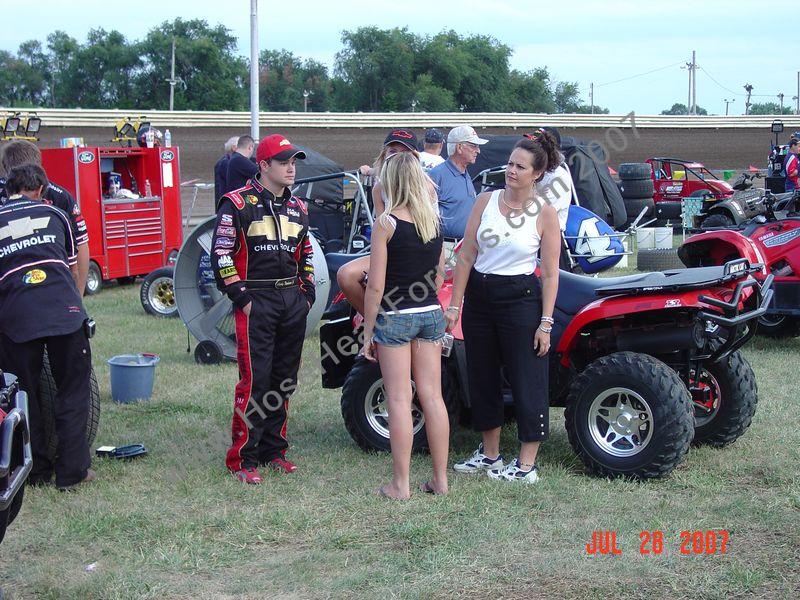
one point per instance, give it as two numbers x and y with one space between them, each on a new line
254 69
172 81
689 99
694 84
797 98
780 97
727 102
749 89
591 97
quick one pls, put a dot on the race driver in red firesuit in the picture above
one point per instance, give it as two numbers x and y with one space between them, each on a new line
261 256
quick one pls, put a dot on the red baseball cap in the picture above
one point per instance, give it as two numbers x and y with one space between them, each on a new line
278 147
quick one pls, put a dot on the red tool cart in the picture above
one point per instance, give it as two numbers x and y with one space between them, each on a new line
128 235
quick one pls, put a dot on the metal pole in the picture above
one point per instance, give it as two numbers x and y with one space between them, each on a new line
172 78
689 99
749 89
780 97
254 69
694 84
797 102
591 97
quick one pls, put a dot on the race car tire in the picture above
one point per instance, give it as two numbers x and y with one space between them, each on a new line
734 395
47 406
633 171
636 188
660 259
629 415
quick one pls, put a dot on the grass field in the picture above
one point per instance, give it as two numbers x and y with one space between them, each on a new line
176 525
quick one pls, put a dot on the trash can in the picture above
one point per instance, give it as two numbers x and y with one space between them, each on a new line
132 377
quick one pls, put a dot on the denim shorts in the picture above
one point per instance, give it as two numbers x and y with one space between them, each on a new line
399 329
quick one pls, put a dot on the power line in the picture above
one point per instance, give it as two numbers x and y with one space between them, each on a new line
640 74
729 90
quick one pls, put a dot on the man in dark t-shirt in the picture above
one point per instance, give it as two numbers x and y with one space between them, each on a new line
41 308
240 167
221 169
21 152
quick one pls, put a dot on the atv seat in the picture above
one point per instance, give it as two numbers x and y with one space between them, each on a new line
576 291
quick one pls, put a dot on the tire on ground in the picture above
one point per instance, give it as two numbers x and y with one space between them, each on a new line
633 206
94 279
636 188
364 385
660 259
717 219
157 293
631 171
671 421
47 404
733 387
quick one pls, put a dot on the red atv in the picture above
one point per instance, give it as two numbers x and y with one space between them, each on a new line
773 241
16 459
644 365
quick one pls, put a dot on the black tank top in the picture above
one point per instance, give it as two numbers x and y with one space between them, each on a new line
410 269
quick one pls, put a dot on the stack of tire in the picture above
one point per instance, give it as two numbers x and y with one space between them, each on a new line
636 187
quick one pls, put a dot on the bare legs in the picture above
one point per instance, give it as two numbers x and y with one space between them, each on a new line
396 364
350 277
491 447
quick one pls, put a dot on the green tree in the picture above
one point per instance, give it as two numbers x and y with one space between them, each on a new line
31 73
378 67
64 74
213 75
681 109
284 77
769 108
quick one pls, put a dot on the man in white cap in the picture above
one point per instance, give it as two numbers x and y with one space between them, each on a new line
454 186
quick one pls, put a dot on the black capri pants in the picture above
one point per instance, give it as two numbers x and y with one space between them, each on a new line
501 314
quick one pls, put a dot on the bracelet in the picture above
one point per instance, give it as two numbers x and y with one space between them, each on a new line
453 308
545 329
550 320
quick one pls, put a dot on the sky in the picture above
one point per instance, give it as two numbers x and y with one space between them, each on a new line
600 42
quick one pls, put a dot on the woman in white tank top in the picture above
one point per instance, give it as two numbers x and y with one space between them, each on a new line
508 310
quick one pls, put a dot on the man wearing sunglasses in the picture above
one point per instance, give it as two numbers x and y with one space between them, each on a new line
454 186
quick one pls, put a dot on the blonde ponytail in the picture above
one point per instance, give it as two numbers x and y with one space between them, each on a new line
404 185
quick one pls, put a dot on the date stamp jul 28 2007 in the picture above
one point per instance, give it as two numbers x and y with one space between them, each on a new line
710 541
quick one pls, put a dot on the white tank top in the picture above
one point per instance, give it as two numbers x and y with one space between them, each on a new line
507 246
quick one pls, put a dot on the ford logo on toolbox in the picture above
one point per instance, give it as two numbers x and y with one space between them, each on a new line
167 155
86 157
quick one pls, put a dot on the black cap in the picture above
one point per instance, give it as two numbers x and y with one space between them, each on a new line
434 136
403 136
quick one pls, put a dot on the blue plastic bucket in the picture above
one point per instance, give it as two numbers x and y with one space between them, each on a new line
132 377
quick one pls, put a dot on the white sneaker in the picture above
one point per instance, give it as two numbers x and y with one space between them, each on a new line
513 472
478 462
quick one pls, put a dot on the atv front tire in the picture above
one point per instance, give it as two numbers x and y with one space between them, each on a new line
629 415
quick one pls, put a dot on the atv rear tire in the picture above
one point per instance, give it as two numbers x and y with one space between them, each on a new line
47 405
365 413
734 396
717 219
779 326
660 259
636 188
631 171
639 401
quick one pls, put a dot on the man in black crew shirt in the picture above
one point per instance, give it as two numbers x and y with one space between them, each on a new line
221 169
240 167
40 307
23 152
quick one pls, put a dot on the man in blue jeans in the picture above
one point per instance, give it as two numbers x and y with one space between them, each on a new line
454 185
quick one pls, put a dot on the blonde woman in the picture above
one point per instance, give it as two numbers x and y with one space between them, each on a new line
403 321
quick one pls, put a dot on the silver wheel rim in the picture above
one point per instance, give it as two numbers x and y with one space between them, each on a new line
93 280
620 422
161 295
376 410
702 414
